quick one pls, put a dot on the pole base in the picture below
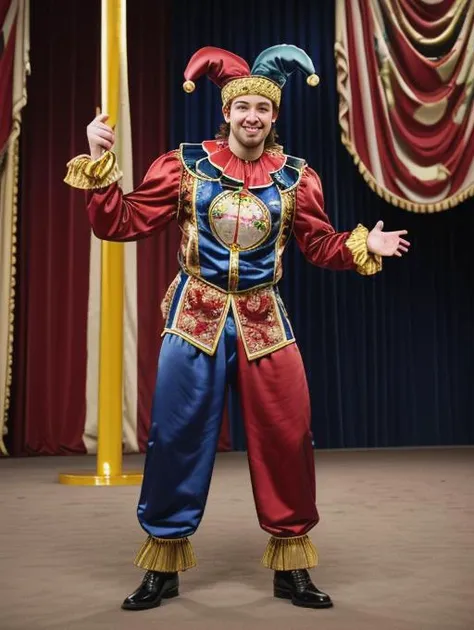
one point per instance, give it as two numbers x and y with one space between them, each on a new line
87 478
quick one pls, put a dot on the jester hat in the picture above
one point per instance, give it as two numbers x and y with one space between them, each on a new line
233 76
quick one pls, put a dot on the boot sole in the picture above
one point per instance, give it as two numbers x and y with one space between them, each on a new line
282 594
174 592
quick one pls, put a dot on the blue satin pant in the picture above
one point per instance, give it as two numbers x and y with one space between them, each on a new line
187 413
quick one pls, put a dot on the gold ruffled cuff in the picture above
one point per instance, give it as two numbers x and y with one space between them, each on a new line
287 554
367 264
166 555
88 174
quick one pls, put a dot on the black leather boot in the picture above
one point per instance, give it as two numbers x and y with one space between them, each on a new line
154 587
297 586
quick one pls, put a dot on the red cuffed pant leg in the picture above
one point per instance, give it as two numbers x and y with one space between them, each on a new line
276 411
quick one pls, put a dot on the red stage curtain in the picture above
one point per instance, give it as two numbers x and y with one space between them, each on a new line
53 251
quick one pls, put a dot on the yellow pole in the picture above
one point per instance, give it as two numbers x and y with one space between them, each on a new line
109 448
109 439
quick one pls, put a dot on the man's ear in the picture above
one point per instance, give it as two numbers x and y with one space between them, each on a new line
275 114
226 113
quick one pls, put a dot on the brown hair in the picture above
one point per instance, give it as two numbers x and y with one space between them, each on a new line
270 140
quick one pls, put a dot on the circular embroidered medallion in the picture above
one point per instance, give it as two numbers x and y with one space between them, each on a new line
239 220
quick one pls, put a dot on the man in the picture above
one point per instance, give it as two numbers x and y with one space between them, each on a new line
237 200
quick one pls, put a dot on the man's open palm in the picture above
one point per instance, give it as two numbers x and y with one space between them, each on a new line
387 243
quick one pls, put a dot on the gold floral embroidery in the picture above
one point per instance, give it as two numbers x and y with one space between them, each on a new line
201 315
189 249
286 225
234 269
259 322
169 295
203 309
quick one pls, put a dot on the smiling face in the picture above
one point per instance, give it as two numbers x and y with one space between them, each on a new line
250 119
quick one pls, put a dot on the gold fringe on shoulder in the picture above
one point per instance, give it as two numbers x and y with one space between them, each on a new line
167 555
367 263
87 174
287 554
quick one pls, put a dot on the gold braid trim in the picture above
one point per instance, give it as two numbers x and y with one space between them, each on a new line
251 85
367 264
88 174
287 554
166 555
395 200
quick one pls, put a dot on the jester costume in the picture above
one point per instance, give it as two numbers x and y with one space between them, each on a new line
226 325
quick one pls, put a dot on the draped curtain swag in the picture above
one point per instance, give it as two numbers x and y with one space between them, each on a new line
405 77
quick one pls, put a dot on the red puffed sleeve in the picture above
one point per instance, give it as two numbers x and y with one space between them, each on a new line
319 241
316 237
135 215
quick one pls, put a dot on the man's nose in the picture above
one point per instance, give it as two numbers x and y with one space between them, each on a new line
252 115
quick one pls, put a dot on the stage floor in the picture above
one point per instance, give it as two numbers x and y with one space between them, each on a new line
396 545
